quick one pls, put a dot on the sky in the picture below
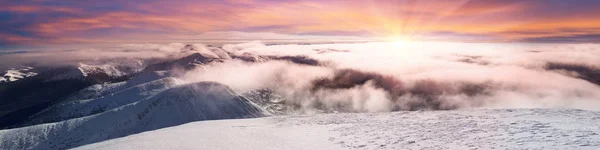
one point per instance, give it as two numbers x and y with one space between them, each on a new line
47 22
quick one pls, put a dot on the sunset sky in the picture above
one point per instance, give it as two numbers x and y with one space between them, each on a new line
39 22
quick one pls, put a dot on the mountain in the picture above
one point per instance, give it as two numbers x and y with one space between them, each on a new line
23 98
99 90
22 102
15 74
20 99
187 63
175 106
194 57
103 99
85 107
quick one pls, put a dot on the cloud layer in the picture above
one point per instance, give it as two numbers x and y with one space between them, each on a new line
378 77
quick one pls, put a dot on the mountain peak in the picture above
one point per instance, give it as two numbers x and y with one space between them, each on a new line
15 74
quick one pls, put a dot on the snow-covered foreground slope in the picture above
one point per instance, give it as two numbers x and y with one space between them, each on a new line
459 129
175 106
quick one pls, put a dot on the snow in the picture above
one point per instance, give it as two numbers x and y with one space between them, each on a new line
205 50
458 129
15 74
68 73
227 134
175 106
80 108
99 90
82 70
110 70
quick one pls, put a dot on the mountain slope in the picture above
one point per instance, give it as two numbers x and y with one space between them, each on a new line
23 98
99 90
178 105
187 62
81 108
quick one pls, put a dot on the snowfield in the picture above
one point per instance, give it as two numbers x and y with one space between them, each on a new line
459 129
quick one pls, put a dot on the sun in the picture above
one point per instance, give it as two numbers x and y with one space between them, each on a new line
400 42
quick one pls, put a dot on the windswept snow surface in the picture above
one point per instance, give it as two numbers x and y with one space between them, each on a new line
459 129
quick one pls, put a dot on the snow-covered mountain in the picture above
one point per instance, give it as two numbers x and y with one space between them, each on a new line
99 90
23 98
85 107
175 106
84 89
109 100
15 74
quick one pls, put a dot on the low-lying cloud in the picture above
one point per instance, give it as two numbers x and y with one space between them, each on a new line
376 77
380 77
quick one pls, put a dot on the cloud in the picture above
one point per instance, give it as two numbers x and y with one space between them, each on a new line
52 57
53 22
375 77
381 76
240 1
